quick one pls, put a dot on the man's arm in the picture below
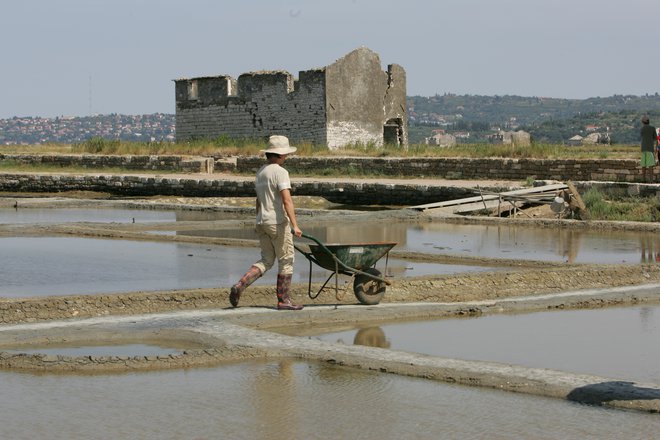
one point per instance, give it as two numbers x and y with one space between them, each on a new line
290 211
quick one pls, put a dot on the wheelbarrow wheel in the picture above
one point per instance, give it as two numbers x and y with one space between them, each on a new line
367 290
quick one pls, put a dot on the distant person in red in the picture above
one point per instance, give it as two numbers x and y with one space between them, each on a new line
649 142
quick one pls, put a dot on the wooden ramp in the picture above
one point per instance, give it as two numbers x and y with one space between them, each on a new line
492 201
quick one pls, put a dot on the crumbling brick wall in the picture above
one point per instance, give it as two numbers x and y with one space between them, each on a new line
350 101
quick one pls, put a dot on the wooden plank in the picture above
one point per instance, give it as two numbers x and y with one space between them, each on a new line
454 202
477 206
539 190
576 197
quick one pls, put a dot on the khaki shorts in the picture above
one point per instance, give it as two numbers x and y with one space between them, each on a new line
276 243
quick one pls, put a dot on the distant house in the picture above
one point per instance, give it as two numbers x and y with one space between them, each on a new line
441 140
497 138
518 138
596 138
575 141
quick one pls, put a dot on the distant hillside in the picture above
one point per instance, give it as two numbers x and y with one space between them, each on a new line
525 110
547 119
470 117
70 130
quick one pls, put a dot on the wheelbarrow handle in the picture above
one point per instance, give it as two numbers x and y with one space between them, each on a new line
311 237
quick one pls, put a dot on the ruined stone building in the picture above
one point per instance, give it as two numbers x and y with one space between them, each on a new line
350 101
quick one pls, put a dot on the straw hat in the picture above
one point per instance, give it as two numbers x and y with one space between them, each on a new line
279 145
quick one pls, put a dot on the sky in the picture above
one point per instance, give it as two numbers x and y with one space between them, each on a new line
83 57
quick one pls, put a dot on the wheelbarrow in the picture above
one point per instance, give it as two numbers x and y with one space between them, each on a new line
355 260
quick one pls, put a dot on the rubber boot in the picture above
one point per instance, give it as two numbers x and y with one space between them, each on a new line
250 277
283 299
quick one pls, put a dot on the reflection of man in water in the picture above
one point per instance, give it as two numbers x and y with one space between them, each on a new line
650 249
275 400
371 337
569 244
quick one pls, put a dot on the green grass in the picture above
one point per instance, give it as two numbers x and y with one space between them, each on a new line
631 209
224 146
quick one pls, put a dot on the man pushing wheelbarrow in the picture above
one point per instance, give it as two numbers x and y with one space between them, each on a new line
276 224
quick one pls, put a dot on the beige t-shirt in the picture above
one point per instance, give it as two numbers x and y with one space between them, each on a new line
271 179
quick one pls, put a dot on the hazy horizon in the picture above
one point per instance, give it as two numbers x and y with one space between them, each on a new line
172 113
85 57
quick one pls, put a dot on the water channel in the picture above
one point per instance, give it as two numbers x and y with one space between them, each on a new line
291 400
620 343
286 399
43 266
515 242
502 241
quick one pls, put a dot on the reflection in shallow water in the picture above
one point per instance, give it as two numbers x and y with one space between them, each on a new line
614 342
569 245
371 337
285 400
66 266
552 244
44 266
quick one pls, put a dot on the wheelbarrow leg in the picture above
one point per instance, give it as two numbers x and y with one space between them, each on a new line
321 289
309 285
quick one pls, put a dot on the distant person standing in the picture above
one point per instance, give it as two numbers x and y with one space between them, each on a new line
649 142
276 224
657 148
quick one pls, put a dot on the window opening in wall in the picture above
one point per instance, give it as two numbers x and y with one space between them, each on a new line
192 90
393 132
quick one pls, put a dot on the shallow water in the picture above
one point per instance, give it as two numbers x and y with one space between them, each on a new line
291 400
613 342
516 242
42 266
68 215
105 215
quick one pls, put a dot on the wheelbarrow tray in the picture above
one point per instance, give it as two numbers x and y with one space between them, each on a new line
358 256
355 260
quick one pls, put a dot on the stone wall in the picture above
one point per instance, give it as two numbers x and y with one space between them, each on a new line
365 103
262 103
613 170
352 193
367 192
352 100
130 162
